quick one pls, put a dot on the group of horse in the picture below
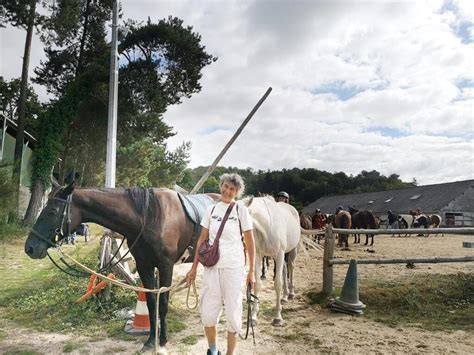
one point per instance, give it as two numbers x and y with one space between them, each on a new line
158 232
365 219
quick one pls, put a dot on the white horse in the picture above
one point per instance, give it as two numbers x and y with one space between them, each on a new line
276 228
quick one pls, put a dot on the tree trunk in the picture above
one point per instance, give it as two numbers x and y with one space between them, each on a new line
22 106
83 39
37 193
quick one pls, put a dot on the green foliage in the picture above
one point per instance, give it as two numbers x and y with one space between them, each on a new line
303 185
17 13
77 73
190 340
9 96
71 346
144 163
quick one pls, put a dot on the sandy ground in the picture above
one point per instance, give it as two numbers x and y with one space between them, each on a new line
306 328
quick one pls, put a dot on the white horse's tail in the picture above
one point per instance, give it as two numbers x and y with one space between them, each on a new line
306 241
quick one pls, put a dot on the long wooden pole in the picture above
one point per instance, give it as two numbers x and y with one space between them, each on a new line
231 141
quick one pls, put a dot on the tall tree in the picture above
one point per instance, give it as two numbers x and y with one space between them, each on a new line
76 72
21 13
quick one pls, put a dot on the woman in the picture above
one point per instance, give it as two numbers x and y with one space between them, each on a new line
224 280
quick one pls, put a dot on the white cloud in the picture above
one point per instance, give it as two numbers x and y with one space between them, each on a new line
401 61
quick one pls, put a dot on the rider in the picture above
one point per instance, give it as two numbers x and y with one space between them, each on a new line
339 209
319 219
283 196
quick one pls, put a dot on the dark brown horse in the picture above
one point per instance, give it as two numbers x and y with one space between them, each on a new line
364 219
153 221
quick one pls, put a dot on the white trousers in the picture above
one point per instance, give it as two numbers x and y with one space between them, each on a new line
222 284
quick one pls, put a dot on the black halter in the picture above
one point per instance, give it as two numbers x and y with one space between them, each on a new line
59 232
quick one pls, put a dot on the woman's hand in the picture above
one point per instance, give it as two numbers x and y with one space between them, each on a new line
251 278
191 276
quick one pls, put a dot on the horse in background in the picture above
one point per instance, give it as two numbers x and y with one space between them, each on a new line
432 221
341 220
364 219
276 231
305 221
153 221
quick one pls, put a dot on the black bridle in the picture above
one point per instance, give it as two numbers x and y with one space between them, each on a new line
60 235
59 232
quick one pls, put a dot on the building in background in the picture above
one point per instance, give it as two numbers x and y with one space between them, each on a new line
453 201
7 149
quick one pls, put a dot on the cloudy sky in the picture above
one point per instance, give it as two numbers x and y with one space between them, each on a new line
357 85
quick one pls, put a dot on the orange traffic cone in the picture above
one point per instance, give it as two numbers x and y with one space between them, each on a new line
141 321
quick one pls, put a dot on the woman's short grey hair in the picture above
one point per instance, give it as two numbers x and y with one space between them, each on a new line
236 180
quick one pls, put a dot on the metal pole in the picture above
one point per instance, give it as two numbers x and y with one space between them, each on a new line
231 141
113 87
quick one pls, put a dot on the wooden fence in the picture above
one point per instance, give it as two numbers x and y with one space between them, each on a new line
329 261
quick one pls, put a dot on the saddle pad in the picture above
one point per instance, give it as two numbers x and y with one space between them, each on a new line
195 205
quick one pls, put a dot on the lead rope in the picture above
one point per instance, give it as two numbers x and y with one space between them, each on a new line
249 314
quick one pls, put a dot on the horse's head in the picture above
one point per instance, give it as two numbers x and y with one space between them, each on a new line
56 221
353 210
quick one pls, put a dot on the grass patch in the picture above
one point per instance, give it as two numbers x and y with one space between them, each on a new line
71 345
35 295
190 340
11 231
431 302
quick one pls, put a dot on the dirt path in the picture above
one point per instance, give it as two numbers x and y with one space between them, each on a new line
307 329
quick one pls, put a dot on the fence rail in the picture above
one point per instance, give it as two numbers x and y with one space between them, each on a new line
329 261
435 260
466 231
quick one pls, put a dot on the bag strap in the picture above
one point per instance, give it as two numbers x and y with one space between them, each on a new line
221 227
242 234
238 217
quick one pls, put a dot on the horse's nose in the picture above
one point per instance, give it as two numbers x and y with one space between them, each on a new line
29 250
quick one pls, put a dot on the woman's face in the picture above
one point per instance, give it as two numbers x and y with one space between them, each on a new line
228 191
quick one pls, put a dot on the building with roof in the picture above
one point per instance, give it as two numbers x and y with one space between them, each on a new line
453 201
7 151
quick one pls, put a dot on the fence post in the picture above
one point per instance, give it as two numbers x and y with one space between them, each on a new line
328 255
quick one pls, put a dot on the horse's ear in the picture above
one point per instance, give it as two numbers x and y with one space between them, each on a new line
69 188
249 201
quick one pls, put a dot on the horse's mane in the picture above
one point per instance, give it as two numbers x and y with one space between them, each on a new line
145 202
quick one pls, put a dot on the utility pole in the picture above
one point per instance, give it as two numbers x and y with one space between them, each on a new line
110 161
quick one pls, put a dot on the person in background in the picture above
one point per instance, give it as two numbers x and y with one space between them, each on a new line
222 283
319 219
392 220
283 196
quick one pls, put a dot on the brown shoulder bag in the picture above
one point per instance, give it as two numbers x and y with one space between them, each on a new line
209 254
